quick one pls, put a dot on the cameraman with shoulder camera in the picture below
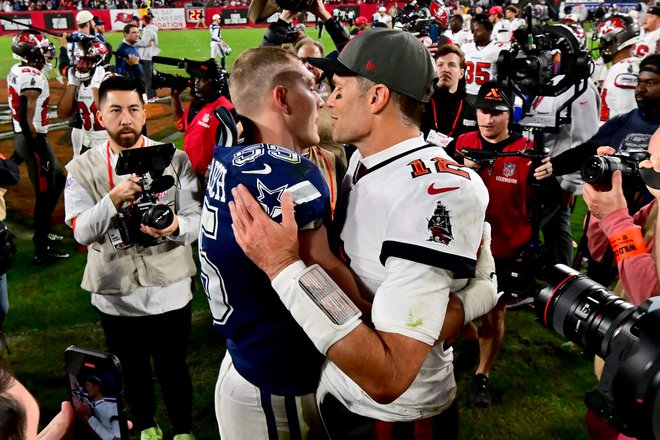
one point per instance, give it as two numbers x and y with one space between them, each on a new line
508 212
142 292
200 121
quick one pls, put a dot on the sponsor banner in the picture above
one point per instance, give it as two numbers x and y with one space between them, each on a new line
234 16
169 18
12 27
59 21
163 18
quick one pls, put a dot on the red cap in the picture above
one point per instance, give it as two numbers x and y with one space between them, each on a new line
361 20
495 10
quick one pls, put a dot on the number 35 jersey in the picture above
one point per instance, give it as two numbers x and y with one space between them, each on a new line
481 64
267 346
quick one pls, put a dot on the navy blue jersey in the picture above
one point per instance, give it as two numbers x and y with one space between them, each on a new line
267 346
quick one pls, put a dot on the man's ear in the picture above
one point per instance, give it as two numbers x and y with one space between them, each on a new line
99 115
280 98
379 95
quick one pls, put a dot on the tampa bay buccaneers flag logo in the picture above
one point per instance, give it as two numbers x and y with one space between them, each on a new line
440 225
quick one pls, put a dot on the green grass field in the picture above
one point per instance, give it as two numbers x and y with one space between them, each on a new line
538 388
192 44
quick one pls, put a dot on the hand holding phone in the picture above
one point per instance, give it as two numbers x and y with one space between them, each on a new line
97 394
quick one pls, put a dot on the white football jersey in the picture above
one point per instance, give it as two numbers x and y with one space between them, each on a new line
647 43
85 101
501 31
417 210
22 78
481 64
459 38
618 93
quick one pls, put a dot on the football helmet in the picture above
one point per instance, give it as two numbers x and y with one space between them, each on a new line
615 33
33 48
87 54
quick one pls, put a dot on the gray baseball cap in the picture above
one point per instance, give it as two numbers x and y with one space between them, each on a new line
394 58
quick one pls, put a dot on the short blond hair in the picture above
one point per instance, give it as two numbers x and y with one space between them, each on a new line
257 71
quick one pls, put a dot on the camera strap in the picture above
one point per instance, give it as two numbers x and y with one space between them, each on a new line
458 114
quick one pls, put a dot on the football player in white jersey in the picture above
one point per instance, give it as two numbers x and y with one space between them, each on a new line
649 39
481 56
501 27
81 94
413 220
616 35
28 98
456 33
218 47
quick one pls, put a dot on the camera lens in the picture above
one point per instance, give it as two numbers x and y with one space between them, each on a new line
158 216
581 310
596 169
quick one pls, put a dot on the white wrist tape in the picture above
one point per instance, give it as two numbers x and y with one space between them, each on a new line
316 303
480 294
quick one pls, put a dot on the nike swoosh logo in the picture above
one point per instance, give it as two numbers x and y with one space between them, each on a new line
433 190
583 102
266 170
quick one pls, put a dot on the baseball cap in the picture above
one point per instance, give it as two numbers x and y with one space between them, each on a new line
382 9
148 14
209 69
495 10
215 17
494 96
650 64
654 10
361 20
98 21
370 55
83 17
299 27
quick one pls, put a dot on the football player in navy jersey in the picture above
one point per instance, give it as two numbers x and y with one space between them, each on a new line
413 221
271 370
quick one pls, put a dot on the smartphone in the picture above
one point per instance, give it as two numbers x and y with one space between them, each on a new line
97 394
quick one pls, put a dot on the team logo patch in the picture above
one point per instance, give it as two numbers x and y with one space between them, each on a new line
270 199
509 169
440 225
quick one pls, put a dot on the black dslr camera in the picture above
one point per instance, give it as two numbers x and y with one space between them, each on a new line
148 163
627 337
177 82
597 170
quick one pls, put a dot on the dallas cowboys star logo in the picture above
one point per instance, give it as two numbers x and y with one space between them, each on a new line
270 199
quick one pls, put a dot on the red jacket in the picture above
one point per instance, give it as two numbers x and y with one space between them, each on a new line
506 180
200 134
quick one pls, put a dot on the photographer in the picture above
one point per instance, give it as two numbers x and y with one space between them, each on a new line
639 274
199 122
142 293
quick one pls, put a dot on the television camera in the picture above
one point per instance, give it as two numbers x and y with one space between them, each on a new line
149 163
192 68
625 336
543 61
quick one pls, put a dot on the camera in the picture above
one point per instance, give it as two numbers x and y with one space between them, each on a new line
148 163
626 336
597 170
177 82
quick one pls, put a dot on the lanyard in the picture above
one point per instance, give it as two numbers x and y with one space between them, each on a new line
107 155
435 116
